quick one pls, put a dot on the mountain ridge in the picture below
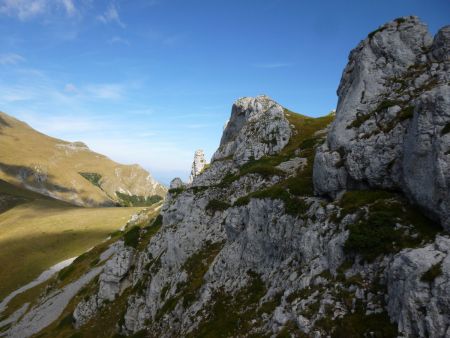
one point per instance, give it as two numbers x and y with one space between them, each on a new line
68 171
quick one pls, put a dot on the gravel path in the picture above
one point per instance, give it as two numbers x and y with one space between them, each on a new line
46 275
47 311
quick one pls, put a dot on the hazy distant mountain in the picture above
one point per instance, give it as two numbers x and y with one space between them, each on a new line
69 171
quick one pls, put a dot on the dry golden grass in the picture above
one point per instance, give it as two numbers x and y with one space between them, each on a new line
23 147
36 235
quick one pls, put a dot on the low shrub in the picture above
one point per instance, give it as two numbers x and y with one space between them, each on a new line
446 129
432 273
131 237
217 205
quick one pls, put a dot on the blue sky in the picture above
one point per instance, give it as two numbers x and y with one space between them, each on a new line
151 81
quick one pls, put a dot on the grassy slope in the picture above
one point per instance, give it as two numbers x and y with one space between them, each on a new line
41 233
104 323
22 146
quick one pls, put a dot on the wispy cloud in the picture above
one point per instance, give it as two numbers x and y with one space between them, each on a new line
105 91
70 88
11 59
118 40
28 9
69 7
111 15
65 124
272 65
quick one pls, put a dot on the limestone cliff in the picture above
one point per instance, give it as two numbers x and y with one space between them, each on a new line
392 121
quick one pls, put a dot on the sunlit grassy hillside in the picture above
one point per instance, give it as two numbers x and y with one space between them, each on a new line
38 234
65 170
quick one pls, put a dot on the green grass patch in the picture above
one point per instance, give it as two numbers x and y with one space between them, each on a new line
217 205
196 266
94 178
432 273
131 237
376 232
137 201
354 200
406 113
232 315
359 120
175 191
358 324
66 272
293 205
303 138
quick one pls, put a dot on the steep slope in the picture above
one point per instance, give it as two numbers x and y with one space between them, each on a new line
68 171
248 250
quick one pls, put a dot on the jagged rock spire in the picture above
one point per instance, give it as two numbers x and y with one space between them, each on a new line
197 165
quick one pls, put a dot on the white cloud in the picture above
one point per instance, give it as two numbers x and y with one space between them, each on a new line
10 59
28 9
69 7
111 15
23 9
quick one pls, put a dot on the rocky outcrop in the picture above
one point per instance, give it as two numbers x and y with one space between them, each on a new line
391 119
257 127
176 183
418 297
198 164
250 243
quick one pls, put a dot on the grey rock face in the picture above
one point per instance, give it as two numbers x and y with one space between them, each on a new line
421 306
394 103
257 127
176 183
197 165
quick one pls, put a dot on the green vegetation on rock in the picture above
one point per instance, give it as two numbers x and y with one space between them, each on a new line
292 204
196 266
232 315
432 273
446 129
372 34
387 223
175 191
358 324
131 237
302 144
216 205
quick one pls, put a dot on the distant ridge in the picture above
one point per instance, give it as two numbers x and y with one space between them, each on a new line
69 171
